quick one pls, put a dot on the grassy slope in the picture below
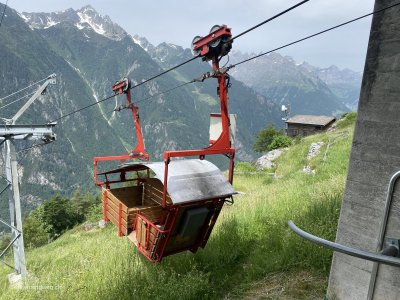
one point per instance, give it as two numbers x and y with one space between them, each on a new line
251 254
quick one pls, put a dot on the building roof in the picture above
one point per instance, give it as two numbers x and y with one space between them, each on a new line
311 120
188 179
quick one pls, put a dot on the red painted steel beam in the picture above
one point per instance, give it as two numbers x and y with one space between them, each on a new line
203 43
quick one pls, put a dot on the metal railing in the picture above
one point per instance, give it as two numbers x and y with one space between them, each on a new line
381 257
387 251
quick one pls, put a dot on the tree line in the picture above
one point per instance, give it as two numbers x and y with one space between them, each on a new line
58 214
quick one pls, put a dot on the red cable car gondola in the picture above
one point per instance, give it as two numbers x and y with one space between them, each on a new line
173 205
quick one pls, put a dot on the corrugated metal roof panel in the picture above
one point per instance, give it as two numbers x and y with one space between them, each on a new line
188 180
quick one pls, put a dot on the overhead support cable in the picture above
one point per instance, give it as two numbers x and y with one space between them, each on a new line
241 62
165 72
167 91
21 90
135 86
270 19
179 65
19 99
82 108
314 35
144 99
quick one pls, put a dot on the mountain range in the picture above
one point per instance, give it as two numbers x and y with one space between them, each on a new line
305 88
89 52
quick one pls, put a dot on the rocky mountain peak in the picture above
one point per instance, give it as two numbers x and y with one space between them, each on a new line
85 18
164 51
334 75
143 42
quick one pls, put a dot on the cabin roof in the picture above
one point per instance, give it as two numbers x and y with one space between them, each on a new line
311 120
189 180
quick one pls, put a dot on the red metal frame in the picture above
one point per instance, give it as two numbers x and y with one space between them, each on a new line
149 225
202 44
120 233
105 200
221 146
139 151
218 207
215 206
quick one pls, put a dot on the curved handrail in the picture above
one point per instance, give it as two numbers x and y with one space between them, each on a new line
382 230
376 257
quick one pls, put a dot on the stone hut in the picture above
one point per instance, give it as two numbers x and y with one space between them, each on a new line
304 125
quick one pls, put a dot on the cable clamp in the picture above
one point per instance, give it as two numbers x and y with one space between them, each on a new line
215 73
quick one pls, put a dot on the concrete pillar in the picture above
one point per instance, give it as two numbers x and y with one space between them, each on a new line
375 157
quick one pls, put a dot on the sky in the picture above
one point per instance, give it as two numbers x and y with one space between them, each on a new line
178 22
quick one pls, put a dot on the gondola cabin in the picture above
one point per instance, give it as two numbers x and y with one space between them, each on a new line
172 206
194 197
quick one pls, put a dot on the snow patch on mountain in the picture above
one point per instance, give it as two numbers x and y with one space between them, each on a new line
84 18
143 42
50 23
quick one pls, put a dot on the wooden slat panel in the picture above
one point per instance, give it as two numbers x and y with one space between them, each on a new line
115 200
115 207
115 215
129 196
133 196
112 199
131 216
136 208
154 214
141 235
131 219
115 222
153 190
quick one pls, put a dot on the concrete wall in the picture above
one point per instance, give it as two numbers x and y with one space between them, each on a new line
375 156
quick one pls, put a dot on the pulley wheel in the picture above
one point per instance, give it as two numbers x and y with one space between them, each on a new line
127 84
216 42
194 41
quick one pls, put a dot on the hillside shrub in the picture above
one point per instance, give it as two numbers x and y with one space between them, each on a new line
59 215
245 167
280 141
94 213
346 120
36 233
4 240
270 138
56 215
264 138
83 204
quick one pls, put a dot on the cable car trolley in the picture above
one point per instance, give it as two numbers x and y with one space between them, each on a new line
173 205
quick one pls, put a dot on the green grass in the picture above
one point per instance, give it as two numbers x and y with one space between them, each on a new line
251 253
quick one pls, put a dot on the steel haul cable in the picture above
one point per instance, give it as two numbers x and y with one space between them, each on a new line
23 89
144 99
185 62
241 62
315 34
281 47
135 86
270 19
19 99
